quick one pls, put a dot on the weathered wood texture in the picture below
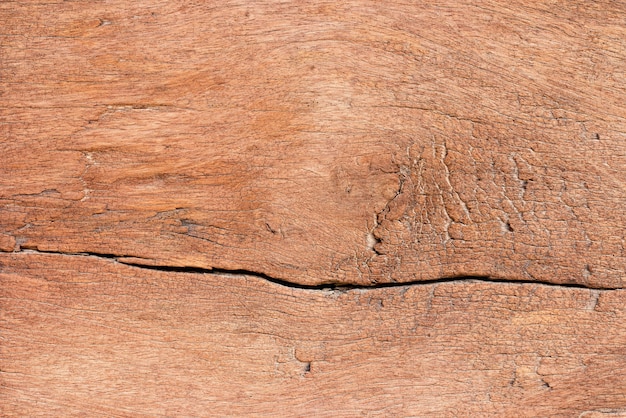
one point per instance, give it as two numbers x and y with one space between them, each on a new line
87 336
477 138
353 143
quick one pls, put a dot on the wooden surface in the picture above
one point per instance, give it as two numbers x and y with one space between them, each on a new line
312 208
94 337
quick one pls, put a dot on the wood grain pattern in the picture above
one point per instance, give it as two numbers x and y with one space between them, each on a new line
90 337
354 143
420 205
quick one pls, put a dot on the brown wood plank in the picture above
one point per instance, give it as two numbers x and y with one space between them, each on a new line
91 337
232 208
356 143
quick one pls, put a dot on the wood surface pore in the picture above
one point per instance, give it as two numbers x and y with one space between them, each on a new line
283 208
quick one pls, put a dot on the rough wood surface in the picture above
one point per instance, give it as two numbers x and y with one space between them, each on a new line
234 192
366 142
85 336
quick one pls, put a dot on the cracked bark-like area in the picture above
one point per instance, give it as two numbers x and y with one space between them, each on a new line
353 144
427 191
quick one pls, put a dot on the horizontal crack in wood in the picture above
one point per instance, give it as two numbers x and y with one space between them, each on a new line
323 286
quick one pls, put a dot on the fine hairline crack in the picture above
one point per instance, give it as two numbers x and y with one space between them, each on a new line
123 259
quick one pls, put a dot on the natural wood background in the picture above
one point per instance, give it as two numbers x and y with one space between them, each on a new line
312 208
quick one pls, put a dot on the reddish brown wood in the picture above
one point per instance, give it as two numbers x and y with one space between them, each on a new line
469 139
85 336
301 144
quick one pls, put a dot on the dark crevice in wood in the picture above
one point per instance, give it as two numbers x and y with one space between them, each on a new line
324 286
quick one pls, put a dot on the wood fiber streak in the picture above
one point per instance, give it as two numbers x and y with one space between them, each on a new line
89 337
358 143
